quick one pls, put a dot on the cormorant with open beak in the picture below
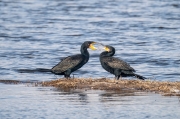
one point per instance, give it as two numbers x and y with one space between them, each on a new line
74 62
116 66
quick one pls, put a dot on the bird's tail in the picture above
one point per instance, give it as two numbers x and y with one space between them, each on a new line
43 70
33 70
140 77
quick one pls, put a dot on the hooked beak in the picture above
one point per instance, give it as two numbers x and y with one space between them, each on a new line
106 48
92 47
100 46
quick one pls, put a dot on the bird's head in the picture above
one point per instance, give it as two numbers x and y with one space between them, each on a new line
108 48
90 44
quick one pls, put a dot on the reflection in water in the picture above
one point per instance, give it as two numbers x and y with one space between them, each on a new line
48 102
83 98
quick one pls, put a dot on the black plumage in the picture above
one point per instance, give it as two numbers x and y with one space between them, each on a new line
74 62
116 66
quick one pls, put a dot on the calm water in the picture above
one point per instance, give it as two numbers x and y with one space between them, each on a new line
37 34
19 101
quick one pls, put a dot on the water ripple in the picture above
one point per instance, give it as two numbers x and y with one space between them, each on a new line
36 34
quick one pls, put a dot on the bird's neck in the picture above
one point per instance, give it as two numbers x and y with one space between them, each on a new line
84 52
106 54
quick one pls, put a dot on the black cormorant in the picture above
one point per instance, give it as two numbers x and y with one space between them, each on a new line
116 66
74 62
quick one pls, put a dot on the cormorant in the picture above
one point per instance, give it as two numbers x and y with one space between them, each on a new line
116 66
74 62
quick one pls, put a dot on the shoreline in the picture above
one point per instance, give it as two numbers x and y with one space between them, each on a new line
165 88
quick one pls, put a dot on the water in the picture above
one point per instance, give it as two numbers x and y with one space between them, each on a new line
37 34
19 101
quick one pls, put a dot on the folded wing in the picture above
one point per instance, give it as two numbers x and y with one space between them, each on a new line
67 63
117 64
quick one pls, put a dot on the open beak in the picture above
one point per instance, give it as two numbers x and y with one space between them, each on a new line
100 46
106 48
92 47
